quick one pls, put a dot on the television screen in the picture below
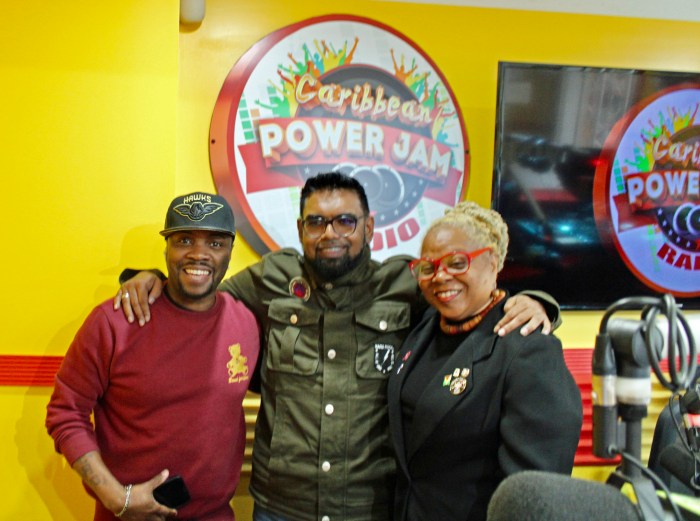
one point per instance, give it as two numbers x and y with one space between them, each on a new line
596 174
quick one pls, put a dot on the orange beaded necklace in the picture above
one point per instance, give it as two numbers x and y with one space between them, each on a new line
469 324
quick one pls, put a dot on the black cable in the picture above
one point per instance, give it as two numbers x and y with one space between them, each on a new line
678 350
682 363
653 477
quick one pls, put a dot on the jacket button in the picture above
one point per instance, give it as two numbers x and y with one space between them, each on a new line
329 409
331 354
294 319
325 518
383 325
325 466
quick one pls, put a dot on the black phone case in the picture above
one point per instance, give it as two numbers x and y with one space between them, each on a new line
172 492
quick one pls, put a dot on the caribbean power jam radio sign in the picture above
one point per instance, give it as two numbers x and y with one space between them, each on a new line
646 190
338 93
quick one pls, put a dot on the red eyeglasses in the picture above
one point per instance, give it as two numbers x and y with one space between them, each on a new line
454 263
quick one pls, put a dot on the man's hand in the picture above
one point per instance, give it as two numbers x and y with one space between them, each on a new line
142 504
136 294
520 310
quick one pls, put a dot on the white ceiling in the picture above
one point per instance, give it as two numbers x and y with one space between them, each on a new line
688 10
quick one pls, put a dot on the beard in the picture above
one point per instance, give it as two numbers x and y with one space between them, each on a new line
179 293
179 290
331 269
198 296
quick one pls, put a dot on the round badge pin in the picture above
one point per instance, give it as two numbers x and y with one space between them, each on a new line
298 287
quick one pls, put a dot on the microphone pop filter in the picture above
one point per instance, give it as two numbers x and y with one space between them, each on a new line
545 496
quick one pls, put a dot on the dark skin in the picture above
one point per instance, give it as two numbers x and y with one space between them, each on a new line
142 505
143 289
197 262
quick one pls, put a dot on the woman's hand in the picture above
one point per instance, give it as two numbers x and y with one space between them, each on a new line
136 294
521 309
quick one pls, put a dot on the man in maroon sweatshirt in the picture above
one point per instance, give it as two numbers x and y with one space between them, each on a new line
167 397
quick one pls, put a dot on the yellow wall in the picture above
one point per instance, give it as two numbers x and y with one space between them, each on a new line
105 117
88 105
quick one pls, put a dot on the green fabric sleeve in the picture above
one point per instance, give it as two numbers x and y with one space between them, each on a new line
128 273
551 306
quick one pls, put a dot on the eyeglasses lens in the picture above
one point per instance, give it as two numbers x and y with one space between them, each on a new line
454 264
343 225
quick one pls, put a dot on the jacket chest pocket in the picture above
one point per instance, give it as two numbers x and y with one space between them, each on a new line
380 330
292 345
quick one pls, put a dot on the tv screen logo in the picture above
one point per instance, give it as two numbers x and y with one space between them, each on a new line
646 190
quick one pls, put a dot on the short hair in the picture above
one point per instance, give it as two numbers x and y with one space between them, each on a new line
330 181
484 225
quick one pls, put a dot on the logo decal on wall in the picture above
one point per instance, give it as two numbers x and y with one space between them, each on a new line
338 93
646 190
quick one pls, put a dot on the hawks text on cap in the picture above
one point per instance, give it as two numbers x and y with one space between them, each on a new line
199 211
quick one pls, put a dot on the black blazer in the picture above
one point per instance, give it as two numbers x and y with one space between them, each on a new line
521 409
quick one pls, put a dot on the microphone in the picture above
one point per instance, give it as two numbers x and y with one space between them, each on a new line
605 443
534 495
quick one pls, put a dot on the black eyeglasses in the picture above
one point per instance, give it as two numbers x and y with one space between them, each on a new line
454 263
343 224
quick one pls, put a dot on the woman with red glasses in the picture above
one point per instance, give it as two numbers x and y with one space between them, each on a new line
468 407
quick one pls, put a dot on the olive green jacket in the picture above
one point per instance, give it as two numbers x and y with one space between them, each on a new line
322 438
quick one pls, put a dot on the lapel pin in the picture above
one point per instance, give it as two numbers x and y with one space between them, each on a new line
457 381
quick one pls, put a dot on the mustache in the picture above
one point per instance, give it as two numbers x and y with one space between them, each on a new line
197 264
332 244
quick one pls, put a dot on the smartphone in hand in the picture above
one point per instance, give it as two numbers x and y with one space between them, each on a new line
172 492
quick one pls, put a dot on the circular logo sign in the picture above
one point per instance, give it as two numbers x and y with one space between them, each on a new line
346 94
646 196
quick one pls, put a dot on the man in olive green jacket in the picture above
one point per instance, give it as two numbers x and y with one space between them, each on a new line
333 321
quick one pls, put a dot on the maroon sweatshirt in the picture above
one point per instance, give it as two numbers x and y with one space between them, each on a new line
165 395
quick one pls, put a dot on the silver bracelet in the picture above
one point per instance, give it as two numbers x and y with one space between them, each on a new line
126 501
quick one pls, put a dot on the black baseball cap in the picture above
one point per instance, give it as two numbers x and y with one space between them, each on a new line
199 211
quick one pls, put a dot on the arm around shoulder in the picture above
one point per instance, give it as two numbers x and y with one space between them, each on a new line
268 278
550 304
130 273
